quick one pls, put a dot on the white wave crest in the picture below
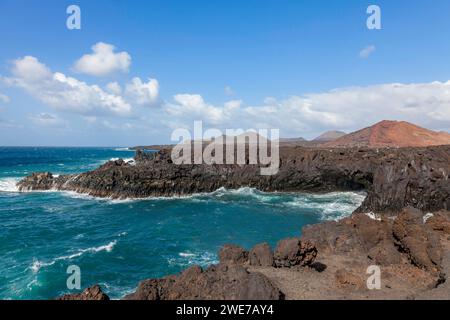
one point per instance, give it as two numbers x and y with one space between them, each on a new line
77 195
185 259
219 193
37 265
243 192
9 184
130 161
331 206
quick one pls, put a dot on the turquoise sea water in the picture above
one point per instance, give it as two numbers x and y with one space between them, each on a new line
119 243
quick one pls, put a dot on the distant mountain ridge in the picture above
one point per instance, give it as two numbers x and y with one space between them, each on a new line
384 134
330 136
388 133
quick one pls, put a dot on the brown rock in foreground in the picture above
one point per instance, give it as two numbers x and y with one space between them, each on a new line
293 252
261 255
338 255
217 282
417 240
231 254
439 221
91 293
348 280
350 249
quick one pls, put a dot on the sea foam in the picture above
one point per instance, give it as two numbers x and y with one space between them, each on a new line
332 206
189 258
37 265
9 184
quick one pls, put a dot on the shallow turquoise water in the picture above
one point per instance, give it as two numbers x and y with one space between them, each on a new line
119 243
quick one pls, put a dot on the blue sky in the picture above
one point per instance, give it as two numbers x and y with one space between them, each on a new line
294 65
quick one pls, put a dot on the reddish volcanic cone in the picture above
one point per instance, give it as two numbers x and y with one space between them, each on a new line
392 134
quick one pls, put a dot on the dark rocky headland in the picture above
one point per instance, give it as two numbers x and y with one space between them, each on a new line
402 226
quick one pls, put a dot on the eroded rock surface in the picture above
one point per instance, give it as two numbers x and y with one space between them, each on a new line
417 240
231 254
261 255
91 293
329 261
393 178
217 282
293 252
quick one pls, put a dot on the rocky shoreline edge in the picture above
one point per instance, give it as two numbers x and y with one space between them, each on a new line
329 261
402 227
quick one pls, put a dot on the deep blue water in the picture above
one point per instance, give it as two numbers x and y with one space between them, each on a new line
119 243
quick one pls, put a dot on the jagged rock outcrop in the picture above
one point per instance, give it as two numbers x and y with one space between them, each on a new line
357 233
230 279
38 181
393 178
293 252
407 239
217 282
232 254
417 240
329 261
439 221
91 293
261 255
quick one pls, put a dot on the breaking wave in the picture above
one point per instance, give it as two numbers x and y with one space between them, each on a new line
332 206
127 160
189 258
9 184
37 265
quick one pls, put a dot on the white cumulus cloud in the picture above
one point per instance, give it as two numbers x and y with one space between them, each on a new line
192 106
103 61
63 92
114 88
143 93
426 104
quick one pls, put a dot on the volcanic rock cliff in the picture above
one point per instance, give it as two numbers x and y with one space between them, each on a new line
330 260
393 178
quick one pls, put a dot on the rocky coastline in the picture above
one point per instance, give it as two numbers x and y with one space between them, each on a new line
393 178
402 227
329 261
